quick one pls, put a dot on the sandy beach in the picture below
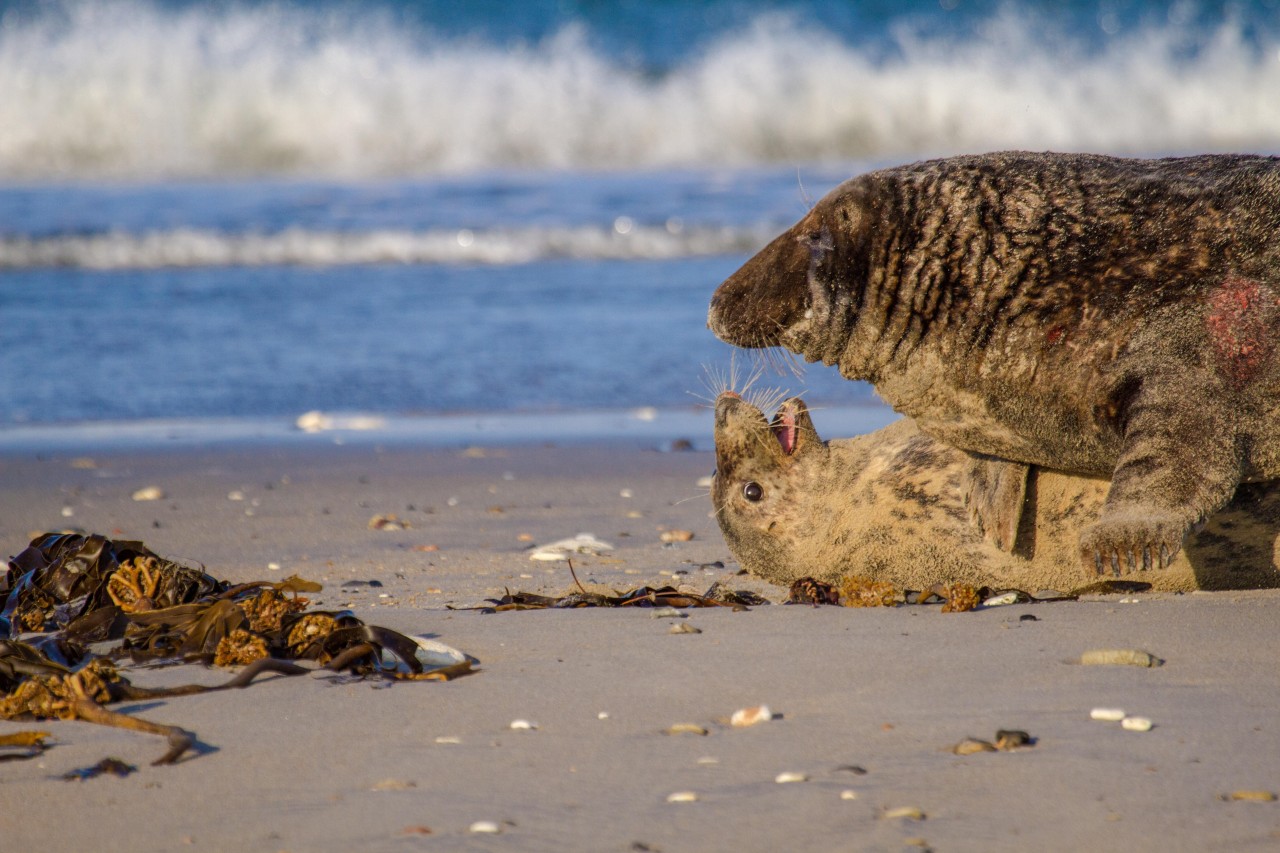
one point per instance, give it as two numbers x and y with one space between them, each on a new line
867 704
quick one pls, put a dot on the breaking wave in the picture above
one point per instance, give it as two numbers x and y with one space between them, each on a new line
300 247
134 90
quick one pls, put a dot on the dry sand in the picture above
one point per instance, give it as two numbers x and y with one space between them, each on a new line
868 701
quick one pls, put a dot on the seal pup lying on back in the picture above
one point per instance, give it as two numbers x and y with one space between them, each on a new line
1112 317
887 506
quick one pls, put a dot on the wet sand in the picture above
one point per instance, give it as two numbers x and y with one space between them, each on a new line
867 702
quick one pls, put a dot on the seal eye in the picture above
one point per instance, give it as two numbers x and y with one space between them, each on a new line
753 492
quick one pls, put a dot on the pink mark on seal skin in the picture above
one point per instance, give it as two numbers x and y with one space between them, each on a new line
1239 323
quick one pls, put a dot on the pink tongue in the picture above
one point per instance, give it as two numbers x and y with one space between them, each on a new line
785 430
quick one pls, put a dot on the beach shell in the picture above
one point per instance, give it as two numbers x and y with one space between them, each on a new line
388 522
684 628
971 745
1119 657
684 729
790 776
744 717
448 739
149 493
583 543
666 613
1110 715
904 813
1251 796
523 726
1136 724
682 797
485 827
433 653
848 794
676 535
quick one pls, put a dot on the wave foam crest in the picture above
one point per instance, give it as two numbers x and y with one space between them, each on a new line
300 247
131 90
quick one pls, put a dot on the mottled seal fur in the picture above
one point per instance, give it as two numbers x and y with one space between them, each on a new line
887 506
1105 316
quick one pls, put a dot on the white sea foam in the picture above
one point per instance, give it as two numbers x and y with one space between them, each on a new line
296 246
127 89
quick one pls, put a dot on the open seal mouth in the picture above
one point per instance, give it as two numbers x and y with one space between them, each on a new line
785 428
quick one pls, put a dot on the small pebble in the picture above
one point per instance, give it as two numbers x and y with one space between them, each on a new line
275 567
744 717
394 785
235 496
708 760
676 535
1136 724
904 813
1110 715
448 739
790 776
67 512
485 826
626 493
149 493
603 715
684 729
388 522
666 613
682 797
848 794
1008 740
684 628
523 725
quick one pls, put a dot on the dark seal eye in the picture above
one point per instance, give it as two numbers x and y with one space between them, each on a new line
753 492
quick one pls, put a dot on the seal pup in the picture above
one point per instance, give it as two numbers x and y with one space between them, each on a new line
1111 317
887 506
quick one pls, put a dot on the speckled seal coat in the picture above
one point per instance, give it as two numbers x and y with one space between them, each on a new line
887 506
1110 317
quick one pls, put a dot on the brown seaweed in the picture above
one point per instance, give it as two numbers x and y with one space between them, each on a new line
644 596
88 589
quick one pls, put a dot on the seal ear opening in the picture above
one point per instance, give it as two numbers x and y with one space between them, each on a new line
793 427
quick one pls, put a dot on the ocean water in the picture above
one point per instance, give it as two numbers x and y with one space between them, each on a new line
253 210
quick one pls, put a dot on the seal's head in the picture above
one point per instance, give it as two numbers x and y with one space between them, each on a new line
801 290
763 469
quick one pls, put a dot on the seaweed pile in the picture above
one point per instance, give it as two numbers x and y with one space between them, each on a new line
76 591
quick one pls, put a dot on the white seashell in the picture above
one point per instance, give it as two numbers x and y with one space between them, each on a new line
1001 600
744 717
485 826
603 715
433 653
1110 715
523 725
448 739
149 493
67 512
682 797
1136 724
848 794
790 776
275 567
666 613
583 543
626 493
708 760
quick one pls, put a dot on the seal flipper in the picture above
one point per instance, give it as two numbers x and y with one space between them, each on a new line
994 491
1163 483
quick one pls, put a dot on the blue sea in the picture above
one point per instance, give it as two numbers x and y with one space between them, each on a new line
238 211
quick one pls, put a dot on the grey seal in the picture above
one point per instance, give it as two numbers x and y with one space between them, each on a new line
888 506
1111 317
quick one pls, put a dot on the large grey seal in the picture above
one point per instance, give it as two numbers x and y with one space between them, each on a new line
887 506
1106 316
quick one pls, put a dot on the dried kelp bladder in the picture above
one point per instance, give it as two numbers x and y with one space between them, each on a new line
88 589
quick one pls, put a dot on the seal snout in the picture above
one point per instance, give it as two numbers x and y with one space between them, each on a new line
760 301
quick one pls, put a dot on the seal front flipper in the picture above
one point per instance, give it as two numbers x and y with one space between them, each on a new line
994 491
1179 463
